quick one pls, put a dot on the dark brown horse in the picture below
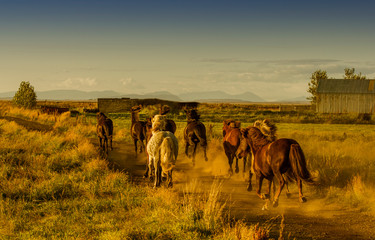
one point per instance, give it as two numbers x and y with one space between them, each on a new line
137 129
283 156
170 125
194 133
104 130
231 142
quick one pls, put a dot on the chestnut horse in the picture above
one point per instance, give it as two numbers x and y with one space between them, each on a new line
137 129
194 133
274 159
104 130
231 142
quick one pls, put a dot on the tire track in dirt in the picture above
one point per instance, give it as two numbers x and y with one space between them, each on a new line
310 220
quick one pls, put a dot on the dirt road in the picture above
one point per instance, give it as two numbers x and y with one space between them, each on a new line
311 220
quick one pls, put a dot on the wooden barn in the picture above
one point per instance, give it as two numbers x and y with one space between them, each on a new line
346 96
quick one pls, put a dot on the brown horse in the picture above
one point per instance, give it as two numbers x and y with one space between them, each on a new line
104 130
283 156
137 129
170 125
231 142
194 133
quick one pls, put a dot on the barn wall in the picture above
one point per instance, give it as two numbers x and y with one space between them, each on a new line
346 103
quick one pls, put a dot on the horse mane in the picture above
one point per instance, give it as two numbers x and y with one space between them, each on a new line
267 128
257 137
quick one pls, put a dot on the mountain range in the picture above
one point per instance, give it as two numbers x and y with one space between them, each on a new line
207 96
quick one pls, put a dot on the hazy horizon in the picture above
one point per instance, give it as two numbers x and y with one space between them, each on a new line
269 48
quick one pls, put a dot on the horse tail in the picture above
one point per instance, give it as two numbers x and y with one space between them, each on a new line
298 162
200 132
167 156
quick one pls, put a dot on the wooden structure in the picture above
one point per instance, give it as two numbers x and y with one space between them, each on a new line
118 105
346 96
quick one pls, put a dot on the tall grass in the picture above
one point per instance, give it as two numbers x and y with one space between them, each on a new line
53 185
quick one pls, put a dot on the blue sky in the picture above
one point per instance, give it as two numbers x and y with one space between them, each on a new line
270 48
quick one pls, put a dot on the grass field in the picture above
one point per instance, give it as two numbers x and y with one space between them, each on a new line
54 185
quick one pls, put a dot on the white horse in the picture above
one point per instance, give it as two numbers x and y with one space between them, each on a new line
162 150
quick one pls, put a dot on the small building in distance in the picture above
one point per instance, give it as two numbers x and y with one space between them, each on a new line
122 105
346 96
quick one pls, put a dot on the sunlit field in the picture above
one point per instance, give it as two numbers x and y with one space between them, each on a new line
54 184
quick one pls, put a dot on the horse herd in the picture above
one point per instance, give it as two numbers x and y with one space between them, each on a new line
269 157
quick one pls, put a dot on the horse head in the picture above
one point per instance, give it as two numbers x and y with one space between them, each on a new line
136 108
192 115
164 109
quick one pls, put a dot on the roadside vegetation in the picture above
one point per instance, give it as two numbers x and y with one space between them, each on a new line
55 185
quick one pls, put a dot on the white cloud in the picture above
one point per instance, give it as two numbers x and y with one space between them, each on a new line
78 83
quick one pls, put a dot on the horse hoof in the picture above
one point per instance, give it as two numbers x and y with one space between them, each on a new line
275 204
302 199
230 172
206 159
237 170
265 196
170 185
249 188
288 195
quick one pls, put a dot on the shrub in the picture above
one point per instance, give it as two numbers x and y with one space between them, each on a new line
25 96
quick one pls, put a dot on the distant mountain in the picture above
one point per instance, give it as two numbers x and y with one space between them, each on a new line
7 95
220 96
75 95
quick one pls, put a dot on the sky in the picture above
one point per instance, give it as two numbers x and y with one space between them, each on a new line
270 47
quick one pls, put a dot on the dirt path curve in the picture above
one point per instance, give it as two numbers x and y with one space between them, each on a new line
310 220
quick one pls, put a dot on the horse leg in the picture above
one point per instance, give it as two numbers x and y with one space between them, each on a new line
169 179
205 152
281 185
142 146
157 172
135 146
187 149
230 161
260 181
249 186
237 168
244 166
145 175
302 199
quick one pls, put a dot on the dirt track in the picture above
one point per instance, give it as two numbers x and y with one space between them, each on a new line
310 220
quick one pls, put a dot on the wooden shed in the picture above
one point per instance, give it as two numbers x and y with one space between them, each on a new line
346 96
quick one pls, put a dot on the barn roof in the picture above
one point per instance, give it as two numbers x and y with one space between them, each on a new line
346 86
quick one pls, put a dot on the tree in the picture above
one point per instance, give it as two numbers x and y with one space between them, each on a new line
349 74
313 84
25 96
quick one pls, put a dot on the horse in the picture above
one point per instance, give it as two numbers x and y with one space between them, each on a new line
282 156
162 150
104 131
137 129
269 130
231 142
154 124
170 125
194 133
